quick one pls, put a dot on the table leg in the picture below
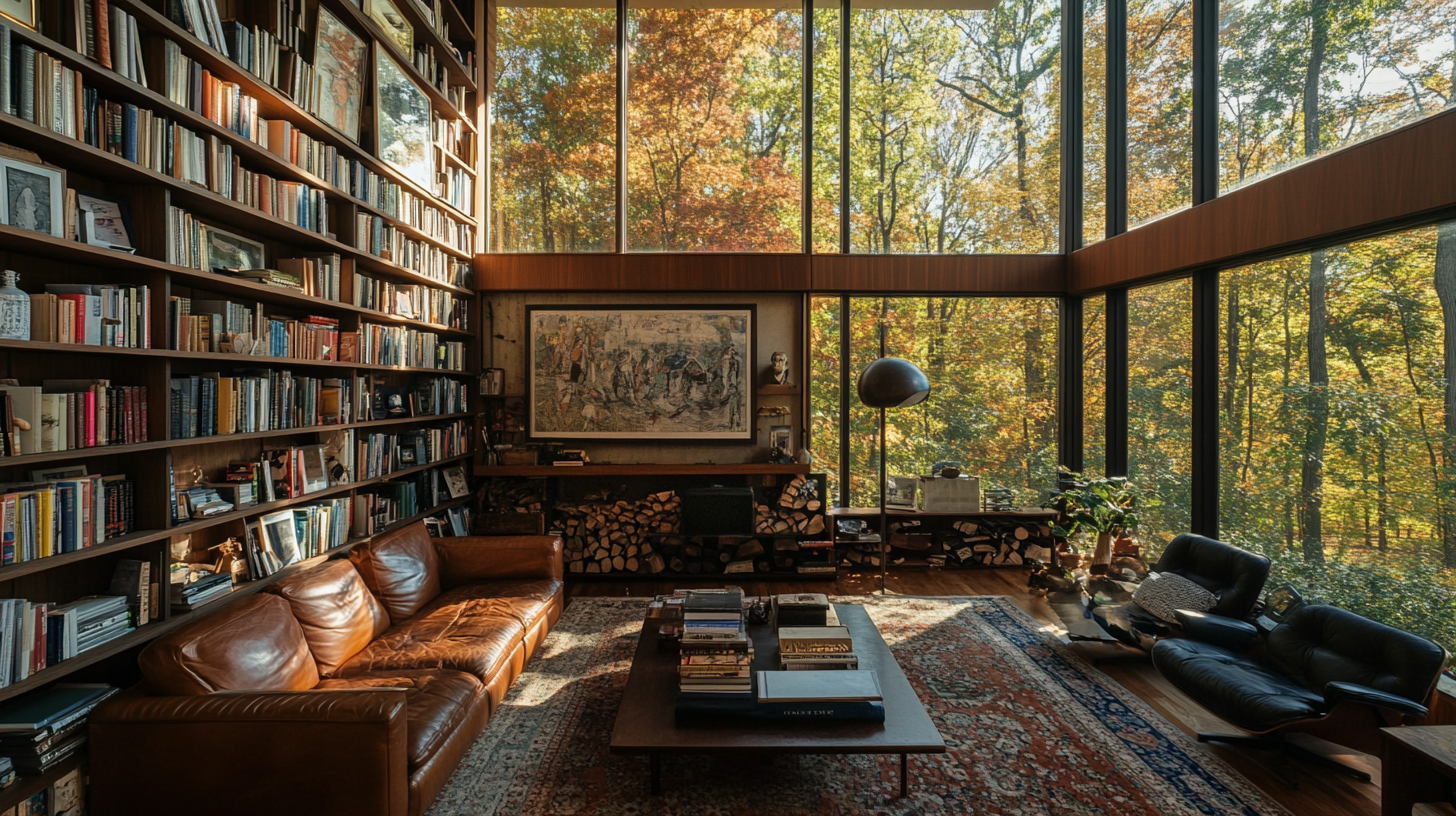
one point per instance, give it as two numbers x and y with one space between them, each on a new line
656 762
904 784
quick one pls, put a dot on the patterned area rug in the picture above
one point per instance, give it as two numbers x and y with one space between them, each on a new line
1031 728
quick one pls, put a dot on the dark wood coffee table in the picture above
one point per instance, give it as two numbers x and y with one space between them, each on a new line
647 724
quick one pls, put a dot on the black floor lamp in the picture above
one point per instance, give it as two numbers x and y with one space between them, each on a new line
890 382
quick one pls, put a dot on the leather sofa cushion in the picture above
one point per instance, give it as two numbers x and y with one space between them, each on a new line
1322 644
436 703
401 568
526 600
1234 687
476 636
254 644
338 614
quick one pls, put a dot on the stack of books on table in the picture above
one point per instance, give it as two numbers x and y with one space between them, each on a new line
716 652
820 695
41 729
203 590
85 624
816 648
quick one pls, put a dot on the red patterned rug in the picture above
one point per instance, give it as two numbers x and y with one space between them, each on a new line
1031 728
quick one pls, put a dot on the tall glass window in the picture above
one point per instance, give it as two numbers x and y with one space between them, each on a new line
1339 438
1159 108
553 128
824 388
1094 121
1160 396
1297 79
954 128
1094 385
826 178
714 127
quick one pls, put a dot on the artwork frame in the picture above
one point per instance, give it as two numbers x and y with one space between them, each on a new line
219 245
340 64
32 196
279 537
901 491
676 373
104 222
20 11
394 25
402 136
315 468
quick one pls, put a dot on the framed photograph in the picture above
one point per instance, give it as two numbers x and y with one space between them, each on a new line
401 120
21 11
455 481
104 222
57 473
278 537
641 372
402 305
395 26
34 196
900 491
339 70
315 468
779 439
223 251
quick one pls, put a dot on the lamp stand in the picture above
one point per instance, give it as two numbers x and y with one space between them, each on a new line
884 509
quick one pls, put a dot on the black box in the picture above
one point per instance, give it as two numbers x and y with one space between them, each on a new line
717 511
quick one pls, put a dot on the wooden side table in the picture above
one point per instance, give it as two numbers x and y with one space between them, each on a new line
1417 765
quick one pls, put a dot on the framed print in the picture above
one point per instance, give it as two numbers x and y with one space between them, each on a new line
223 251
279 537
56 473
456 482
315 468
339 71
104 222
401 120
395 26
21 11
900 491
34 197
641 372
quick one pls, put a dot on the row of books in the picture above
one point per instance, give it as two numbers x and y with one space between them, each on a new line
40 730
412 301
62 415
379 454
441 395
456 186
36 635
454 137
716 657
45 518
231 327
276 540
93 314
212 404
376 508
381 239
404 346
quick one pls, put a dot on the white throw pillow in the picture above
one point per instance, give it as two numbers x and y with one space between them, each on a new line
1163 593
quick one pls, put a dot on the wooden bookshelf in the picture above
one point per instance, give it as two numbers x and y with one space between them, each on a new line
448 241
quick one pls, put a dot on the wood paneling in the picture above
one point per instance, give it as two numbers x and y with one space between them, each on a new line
676 272
1400 177
971 274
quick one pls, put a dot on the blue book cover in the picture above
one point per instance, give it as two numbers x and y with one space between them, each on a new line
129 132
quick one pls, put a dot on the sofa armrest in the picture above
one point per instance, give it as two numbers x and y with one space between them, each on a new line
473 559
341 753
1234 635
1338 692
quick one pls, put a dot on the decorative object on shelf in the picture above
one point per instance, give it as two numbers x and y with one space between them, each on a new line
395 26
952 493
14 309
640 372
226 252
21 11
401 121
1106 506
902 491
34 196
780 449
890 382
232 560
339 69
104 222
778 371
492 382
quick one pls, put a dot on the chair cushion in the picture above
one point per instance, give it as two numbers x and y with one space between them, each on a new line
1234 576
338 614
1163 594
472 635
401 568
526 600
436 703
1234 687
1322 644
254 644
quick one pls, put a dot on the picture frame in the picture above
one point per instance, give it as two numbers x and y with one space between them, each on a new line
340 65
780 438
394 25
456 482
104 222
278 536
223 251
59 472
32 196
401 121
315 468
900 491
20 11
641 372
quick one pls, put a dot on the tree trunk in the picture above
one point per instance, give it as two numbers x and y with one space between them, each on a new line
1285 416
1317 402
1445 277
1232 420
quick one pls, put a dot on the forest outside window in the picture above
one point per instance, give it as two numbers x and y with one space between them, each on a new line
1160 400
1159 108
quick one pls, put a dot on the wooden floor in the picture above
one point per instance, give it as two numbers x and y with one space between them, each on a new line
1319 791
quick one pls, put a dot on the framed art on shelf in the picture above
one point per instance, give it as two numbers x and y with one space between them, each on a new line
224 251
401 120
641 372
21 11
279 536
34 196
394 25
339 69
104 222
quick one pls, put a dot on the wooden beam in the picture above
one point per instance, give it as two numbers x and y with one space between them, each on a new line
1397 178
675 272
970 274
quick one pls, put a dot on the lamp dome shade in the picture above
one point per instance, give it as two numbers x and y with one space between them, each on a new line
891 382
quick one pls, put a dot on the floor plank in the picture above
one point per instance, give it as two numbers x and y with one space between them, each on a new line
1319 791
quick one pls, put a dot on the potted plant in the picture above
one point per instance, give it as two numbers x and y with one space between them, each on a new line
1106 506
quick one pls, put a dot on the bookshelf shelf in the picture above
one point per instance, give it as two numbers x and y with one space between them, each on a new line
244 360
25 787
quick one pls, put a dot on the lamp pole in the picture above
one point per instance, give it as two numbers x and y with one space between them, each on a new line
884 507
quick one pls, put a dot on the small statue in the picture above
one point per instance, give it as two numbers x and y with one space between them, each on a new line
232 560
778 373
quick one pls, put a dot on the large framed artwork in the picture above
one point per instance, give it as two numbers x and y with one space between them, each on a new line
339 71
401 120
641 372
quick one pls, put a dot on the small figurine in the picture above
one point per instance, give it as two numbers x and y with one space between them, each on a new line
230 559
778 373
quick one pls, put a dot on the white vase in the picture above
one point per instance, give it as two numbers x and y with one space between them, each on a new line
14 309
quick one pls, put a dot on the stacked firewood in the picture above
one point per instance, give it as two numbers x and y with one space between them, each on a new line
602 537
512 495
997 542
799 510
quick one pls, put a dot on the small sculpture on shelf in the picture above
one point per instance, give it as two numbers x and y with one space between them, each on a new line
14 309
778 372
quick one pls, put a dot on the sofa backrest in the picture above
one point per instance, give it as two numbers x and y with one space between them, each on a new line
401 568
254 644
337 612
1320 644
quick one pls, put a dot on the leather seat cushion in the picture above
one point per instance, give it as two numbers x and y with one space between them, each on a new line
255 645
401 568
476 636
436 704
338 614
525 599
1234 687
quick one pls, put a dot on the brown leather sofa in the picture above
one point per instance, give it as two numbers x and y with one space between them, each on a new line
353 688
